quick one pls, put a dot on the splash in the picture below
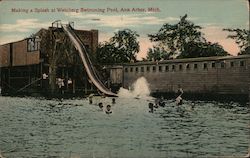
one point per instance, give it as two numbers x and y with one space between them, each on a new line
140 89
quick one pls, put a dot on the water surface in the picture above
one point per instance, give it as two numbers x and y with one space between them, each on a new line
36 127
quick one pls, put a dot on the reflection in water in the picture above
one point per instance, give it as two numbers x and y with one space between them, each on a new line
33 127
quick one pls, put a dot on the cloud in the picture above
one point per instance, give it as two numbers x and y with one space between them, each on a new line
10 38
216 34
105 36
117 21
23 25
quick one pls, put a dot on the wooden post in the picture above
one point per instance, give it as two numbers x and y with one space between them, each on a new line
248 68
85 83
41 75
249 94
29 69
73 86
67 78
9 77
52 78
52 70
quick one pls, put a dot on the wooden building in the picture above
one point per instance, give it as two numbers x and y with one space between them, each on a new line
41 63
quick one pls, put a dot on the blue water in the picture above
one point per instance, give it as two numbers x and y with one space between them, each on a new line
36 127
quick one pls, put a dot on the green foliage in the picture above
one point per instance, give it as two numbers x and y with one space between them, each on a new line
202 49
173 37
182 40
246 51
157 53
242 38
108 53
122 47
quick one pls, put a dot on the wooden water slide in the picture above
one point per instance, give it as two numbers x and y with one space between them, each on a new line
92 74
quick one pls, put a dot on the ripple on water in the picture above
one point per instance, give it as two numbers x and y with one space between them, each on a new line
33 127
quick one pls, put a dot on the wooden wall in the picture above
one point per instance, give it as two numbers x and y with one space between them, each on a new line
5 55
19 53
22 57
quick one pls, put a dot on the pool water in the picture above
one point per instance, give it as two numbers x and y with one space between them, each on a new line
36 127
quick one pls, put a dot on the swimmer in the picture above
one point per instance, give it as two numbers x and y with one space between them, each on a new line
192 106
180 91
151 107
157 102
108 109
90 99
100 106
178 100
161 102
156 105
113 100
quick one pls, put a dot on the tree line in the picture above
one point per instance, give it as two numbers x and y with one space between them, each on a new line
181 40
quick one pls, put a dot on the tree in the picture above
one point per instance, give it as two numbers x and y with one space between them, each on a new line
56 48
183 40
107 53
242 38
122 47
173 37
157 53
202 49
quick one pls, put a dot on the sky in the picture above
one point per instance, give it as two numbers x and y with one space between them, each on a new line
19 19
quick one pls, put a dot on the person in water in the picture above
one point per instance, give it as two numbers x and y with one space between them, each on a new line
90 99
151 107
108 109
180 91
100 106
179 100
161 102
192 105
113 100
157 101
156 105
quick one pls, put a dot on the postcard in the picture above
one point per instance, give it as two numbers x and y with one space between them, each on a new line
122 78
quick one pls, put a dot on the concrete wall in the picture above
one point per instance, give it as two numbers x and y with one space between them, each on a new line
116 75
224 75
